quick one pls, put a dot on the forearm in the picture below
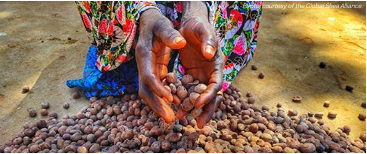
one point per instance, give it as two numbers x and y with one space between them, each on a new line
197 9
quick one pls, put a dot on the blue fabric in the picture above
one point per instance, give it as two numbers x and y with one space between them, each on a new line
123 79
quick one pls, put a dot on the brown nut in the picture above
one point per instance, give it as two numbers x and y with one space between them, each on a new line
332 114
181 92
66 105
200 88
187 79
171 77
187 105
45 105
196 112
44 112
193 97
32 112
75 95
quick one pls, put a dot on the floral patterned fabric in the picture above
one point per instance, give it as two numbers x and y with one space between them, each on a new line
112 27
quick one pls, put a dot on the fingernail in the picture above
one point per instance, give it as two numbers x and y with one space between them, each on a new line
165 99
209 49
178 39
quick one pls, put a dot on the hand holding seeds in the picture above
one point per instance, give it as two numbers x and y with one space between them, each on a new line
188 91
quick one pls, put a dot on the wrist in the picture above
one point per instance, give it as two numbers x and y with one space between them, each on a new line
195 9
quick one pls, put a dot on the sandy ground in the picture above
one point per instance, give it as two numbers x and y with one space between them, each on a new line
45 45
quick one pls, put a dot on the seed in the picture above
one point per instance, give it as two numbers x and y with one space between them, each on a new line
349 88
92 99
363 104
116 110
94 148
66 105
326 103
266 108
319 114
292 112
173 137
52 114
44 112
193 97
288 150
173 88
261 75
200 88
254 67
129 134
266 137
300 128
251 100
192 84
166 146
110 100
45 105
362 117
156 146
307 148
187 79
363 137
279 105
171 77
297 98
34 148
253 128
322 65
32 112
277 149
248 94
82 149
332 114
177 128
25 89
17 141
133 97
346 129
75 95
196 112
181 92
91 138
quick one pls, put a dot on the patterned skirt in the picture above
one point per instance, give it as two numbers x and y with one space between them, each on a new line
111 69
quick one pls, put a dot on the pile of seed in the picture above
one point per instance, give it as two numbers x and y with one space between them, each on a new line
127 125
186 90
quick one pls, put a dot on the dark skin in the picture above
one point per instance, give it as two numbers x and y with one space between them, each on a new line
197 45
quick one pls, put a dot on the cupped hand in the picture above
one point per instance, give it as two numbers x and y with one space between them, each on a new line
202 59
156 39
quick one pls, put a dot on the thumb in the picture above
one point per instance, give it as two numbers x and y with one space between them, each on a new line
206 34
168 35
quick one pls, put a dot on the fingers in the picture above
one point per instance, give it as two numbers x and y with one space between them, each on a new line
158 105
208 111
176 100
215 81
181 113
145 60
162 61
215 84
206 34
164 30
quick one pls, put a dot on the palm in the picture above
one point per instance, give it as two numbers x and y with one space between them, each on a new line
200 57
193 62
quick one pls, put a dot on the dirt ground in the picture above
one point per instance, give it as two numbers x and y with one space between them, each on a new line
43 44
